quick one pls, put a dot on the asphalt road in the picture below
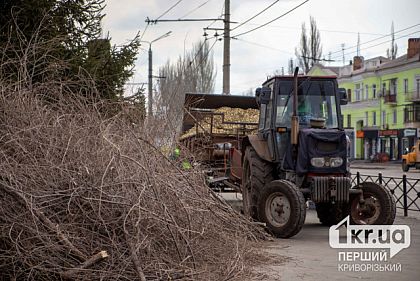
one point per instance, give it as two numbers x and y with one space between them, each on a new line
387 169
308 256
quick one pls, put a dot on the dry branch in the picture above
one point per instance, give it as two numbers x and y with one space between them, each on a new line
77 180
72 273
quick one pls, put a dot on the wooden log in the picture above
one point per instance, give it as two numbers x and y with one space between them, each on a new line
71 273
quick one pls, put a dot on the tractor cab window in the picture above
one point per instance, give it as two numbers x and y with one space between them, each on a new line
316 99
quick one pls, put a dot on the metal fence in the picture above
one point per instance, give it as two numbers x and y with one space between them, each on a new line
406 191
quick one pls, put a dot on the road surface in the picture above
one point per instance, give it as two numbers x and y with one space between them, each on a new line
308 256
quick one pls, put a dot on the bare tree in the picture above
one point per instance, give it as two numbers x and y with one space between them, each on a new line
310 49
392 53
192 73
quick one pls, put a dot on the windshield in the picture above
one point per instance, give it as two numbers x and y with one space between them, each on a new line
316 99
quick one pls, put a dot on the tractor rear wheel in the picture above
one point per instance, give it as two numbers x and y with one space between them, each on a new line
330 214
256 174
282 207
377 206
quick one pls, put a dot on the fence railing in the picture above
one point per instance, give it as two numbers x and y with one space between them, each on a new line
406 191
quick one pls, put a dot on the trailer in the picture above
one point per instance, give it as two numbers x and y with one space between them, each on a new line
213 129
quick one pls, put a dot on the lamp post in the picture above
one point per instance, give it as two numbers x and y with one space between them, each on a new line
150 75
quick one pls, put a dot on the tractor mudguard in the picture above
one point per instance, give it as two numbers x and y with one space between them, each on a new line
260 146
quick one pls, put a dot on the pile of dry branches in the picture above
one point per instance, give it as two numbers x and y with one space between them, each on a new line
85 197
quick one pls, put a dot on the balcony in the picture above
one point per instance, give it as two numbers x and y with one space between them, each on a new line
390 99
412 116
413 96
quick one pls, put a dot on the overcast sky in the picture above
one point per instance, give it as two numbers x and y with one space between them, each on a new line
262 52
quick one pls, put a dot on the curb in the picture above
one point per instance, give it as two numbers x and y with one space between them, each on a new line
367 167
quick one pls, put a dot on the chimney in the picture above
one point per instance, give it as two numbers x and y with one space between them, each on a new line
413 47
357 63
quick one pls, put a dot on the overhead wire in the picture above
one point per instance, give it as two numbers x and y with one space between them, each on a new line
324 30
378 38
263 46
256 15
144 31
221 14
195 9
168 10
349 53
273 20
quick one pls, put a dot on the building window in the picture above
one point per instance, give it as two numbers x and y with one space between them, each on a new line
394 116
357 91
348 121
384 119
367 118
374 118
374 91
405 86
362 92
366 92
393 87
349 95
383 89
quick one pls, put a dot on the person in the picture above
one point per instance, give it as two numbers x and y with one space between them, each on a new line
304 110
175 156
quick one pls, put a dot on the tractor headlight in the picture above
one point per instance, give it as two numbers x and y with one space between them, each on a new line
333 162
318 162
336 162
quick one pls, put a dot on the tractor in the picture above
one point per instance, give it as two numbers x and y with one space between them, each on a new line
293 151
299 153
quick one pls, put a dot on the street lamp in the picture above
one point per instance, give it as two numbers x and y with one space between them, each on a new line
150 95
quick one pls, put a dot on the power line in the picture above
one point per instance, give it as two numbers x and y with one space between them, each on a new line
221 15
253 17
379 44
324 30
195 9
144 31
262 46
273 20
378 38
168 10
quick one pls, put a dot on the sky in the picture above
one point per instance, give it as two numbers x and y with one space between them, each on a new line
260 53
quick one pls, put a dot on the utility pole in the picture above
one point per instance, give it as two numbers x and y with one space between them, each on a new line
150 75
150 84
226 50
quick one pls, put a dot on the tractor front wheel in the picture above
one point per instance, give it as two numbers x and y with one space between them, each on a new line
376 207
282 207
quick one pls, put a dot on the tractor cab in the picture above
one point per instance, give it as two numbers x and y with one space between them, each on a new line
319 126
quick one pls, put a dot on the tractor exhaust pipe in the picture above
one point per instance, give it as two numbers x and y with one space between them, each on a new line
295 118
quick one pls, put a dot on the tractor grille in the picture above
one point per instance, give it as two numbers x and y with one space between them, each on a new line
328 189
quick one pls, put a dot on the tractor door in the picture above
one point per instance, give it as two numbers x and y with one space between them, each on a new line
266 125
